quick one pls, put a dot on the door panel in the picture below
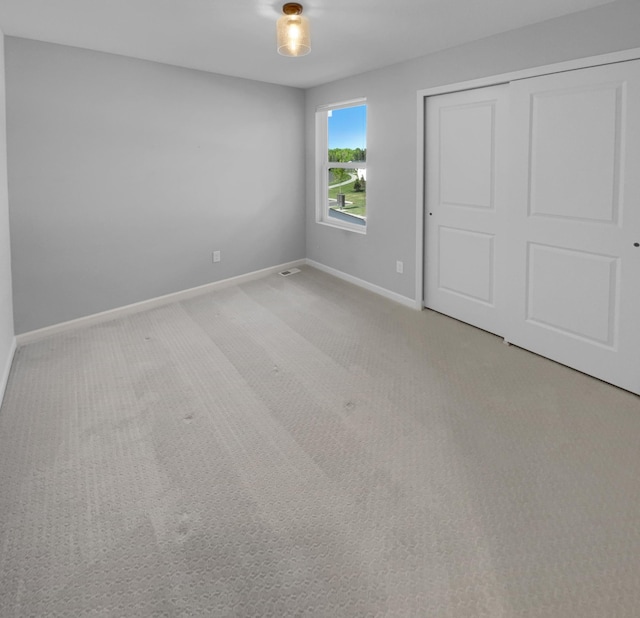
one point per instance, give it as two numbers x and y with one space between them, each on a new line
559 279
466 180
466 152
575 173
466 264
572 268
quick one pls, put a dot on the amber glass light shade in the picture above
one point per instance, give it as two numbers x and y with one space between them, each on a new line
293 31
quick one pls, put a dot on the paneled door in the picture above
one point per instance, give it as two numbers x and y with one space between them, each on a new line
466 135
573 254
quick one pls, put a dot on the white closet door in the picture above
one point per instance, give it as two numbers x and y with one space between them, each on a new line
573 262
465 207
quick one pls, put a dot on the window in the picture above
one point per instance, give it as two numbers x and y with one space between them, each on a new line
341 162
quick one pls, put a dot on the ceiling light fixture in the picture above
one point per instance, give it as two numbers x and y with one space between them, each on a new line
293 31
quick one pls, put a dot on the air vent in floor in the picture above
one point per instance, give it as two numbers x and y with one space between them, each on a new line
291 271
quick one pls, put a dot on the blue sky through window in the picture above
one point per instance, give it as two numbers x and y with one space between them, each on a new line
347 127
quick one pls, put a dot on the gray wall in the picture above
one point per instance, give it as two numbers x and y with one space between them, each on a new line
6 303
125 175
392 138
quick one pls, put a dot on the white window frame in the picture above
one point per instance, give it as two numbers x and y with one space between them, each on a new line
323 165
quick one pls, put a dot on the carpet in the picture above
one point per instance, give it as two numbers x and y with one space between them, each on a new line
302 447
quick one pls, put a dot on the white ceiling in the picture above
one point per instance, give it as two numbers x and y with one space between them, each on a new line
237 37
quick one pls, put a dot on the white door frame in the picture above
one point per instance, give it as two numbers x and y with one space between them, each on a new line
493 80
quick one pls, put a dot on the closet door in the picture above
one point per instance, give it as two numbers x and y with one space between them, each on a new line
573 264
465 206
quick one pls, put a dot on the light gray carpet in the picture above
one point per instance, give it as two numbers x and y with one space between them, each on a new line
300 447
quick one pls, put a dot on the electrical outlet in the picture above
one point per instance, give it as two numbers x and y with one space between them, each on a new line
215 256
399 267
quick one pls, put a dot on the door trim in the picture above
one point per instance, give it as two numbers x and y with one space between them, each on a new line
493 80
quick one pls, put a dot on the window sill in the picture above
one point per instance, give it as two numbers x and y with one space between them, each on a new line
358 229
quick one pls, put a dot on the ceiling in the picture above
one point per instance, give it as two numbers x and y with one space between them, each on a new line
237 37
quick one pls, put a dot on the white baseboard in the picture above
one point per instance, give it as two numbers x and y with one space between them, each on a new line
7 368
403 300
111 314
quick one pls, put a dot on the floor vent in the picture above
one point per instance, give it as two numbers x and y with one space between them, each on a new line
291 271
